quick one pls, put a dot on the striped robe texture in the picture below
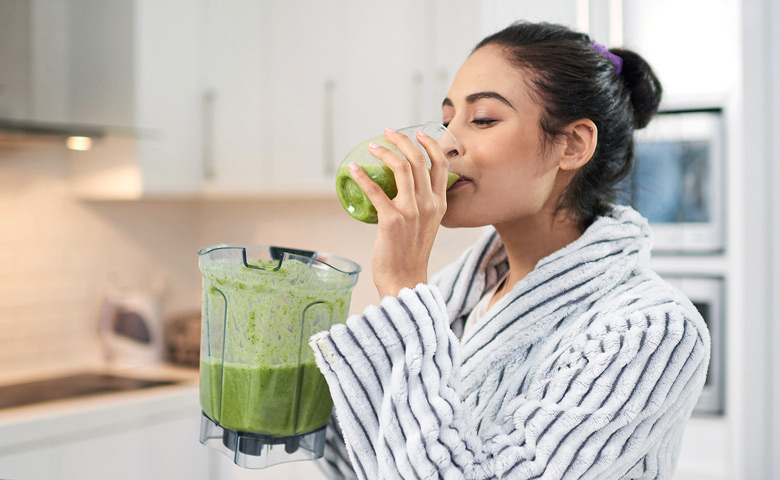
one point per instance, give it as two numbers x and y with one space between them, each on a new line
589 368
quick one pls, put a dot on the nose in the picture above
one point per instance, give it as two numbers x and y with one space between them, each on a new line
456 132
450 145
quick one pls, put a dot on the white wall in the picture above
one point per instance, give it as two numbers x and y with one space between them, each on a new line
773 161
59 256
758 428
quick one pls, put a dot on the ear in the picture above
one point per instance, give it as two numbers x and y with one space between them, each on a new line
581 140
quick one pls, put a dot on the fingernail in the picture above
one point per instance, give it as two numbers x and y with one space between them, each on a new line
388 129
353 166
421 133
373 145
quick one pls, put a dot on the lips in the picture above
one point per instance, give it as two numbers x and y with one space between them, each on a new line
461 181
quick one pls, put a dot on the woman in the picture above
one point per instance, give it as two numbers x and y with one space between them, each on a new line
549 349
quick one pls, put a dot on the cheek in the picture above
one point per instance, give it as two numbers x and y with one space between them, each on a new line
543 180
527 184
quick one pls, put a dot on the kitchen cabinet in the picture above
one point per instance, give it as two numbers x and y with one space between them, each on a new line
259 98
135 67
383 80
270 71
149 435
225 470
454 28
241 97
164 450
235 138
35 464
292 86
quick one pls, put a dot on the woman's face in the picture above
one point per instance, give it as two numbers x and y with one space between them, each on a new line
507 173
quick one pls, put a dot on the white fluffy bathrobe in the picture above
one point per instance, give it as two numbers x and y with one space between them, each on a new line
589 368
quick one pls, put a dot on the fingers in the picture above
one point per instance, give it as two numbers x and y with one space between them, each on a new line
372 190
439 162
415 159
401 167
421 189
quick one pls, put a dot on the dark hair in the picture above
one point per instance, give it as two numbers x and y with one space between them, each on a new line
574 81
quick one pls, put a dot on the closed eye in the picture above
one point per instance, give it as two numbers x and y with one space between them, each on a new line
483 121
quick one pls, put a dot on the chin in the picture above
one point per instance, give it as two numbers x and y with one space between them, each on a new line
466 213
447 224
453 221
448 221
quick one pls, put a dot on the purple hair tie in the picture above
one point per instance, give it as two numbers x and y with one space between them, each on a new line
616 61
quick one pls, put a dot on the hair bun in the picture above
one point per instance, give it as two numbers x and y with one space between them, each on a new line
644 86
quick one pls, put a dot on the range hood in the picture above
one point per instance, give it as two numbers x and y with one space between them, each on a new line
35 90
11 127
18 133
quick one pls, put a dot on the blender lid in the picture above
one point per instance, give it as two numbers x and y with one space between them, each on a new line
340 264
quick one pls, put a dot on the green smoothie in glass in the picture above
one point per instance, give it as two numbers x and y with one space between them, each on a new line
352 197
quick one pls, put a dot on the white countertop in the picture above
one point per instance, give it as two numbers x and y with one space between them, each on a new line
63 420
96 437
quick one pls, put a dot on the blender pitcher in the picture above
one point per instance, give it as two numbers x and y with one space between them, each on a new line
263 399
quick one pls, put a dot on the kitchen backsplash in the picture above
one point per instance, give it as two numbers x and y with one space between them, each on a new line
59 256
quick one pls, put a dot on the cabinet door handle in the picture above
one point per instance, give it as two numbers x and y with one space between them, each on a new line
328 162
207 137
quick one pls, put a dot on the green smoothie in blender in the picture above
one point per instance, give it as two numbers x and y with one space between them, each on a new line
255 399
259 374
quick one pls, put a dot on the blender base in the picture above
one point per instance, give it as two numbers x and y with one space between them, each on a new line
252 450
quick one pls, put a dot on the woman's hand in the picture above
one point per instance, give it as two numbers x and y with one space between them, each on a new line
408 223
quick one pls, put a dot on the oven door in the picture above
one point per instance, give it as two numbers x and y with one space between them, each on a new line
707 294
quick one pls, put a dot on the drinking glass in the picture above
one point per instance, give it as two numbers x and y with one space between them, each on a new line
352 197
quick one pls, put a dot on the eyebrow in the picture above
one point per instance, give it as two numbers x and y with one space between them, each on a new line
478 96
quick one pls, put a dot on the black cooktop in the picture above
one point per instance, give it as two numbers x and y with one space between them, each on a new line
71 387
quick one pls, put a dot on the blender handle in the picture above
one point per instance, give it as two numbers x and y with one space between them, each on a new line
277 252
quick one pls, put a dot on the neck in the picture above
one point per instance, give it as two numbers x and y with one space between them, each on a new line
529 240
